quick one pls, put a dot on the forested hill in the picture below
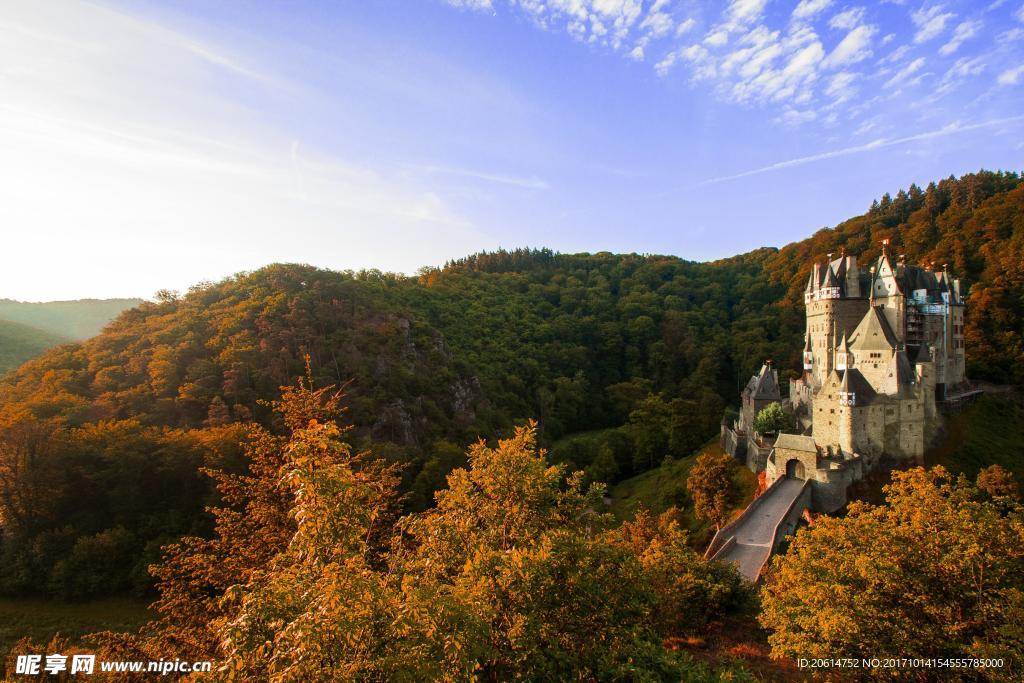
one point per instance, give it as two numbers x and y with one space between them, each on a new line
78 319
652 346
29 328
20 342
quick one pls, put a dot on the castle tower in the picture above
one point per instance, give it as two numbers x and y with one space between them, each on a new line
847 399
834 301
887 292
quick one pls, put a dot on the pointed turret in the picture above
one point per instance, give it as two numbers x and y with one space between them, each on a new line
847 397
830 286
766 383
842 353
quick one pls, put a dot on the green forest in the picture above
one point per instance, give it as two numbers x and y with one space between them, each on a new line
27 329
19 343
114 447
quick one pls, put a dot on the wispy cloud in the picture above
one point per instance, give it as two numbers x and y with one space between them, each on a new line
930 22
810 8
1012 76
881 143
530 183
622 25
963 32
124 139
855 47
905 73
745 54
847 19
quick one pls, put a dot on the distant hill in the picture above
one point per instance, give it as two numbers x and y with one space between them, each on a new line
75 320
19 343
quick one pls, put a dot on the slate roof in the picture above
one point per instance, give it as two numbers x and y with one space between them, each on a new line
796 442
855 382
764 384
873 333
904 370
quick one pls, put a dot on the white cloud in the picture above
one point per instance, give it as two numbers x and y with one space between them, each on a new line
745 11
717 38
1020 14
866 127
479 5
685 26
657 22
965 67
896 55
745 55
855 47
930 22
906 72
1012 76
788 83
808 9
796 117
841 86
847 19
963 32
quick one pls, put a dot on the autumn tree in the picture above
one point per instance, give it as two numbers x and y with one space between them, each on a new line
315 611
937 571
515 554
251 526
690 592
515 573
996 480
710 486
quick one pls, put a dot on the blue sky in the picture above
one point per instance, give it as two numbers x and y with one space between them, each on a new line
151 145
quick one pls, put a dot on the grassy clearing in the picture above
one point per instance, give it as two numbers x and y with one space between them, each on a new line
665 486
41 619
989 432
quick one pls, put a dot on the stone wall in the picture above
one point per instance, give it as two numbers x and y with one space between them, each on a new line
757 456
734 443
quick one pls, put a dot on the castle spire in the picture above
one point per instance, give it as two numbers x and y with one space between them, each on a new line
847 397
842 353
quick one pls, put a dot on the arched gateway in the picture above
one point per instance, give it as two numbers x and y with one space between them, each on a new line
795 470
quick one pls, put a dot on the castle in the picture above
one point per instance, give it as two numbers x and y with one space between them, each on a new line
883 348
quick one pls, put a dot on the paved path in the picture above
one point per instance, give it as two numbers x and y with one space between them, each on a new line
755 534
